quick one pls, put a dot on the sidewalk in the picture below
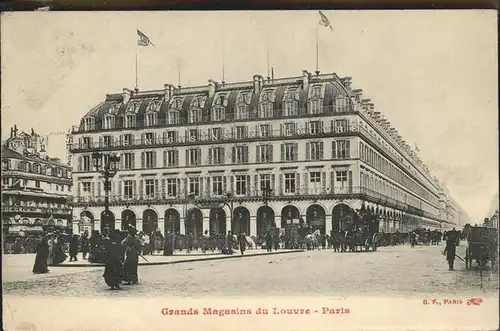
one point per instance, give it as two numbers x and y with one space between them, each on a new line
182 257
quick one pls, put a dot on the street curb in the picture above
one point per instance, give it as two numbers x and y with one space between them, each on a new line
222 257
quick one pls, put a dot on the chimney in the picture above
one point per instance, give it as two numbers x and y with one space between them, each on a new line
346 81
212 85
126 95
258 81
168 90
11 132
305 79
358 94
365 101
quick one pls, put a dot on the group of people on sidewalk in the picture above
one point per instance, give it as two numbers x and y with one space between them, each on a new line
49 251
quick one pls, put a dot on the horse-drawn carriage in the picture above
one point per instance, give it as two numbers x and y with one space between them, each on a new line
482 246
363 234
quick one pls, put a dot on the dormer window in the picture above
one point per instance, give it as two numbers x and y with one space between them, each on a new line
266 104
108 122
194 115
129 121
173 117
291 103
88 124
150 119
5 164
341 104
316 100
26 167
242 107
219 110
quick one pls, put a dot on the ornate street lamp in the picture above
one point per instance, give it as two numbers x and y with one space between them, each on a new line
240 216
228 201
108 170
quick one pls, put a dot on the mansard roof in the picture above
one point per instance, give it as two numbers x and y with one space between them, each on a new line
139 101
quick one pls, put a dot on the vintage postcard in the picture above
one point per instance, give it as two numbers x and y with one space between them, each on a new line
250 170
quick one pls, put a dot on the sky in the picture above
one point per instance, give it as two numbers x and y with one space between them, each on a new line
432 73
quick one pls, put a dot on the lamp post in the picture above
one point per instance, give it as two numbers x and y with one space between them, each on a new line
190 198
108 170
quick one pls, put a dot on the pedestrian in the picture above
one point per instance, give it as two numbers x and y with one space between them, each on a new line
206 242
242 242
42 254
84 244
229 243
269 241
132 247
168 245
450 251
73 248
113 267
413 239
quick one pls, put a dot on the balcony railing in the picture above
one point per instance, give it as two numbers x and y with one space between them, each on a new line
41 210
326 131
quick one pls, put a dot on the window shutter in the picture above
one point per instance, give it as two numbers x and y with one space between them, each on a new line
257 134
246 154
133 160
210 156
143 160
199 135
332 181
273 183
80 163
78 189
223 155
270 149
256 186
348 148
282 152
231 188
80 142
176 158
165 137
120 184
321 150
198 152
134 188
187 157
297 183
349 179
257 153
92 191
281 178
308 132
143 138
234 154
334 149
306 182
248 186
101 141
154 159
202 179
245 132
157 188
99 188
210 134
282 128
187 135
323 180
163 187
141 189
232 133
186 186
224 184
208 187
308 151
295 151
165 159
332 127
321 127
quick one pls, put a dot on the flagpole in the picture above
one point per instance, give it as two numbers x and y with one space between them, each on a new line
268 65
179 71
317 49
136 84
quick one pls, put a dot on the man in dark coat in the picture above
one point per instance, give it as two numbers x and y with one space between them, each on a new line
269 241
229 243
73 248
132 246
42 254
242 242
168 245
113 268
85 244
450 251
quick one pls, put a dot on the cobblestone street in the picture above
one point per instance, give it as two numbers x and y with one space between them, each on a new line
398 270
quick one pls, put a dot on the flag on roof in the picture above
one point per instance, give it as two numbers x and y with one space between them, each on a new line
143 39
324 21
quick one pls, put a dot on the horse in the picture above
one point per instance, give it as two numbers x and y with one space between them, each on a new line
313 240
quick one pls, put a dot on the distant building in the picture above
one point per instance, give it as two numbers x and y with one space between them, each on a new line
492 222
36 189
318 144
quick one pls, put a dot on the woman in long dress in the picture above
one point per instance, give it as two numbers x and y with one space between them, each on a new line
132 246
42 253
51 250
113 268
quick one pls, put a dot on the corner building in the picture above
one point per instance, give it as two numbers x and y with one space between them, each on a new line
316 142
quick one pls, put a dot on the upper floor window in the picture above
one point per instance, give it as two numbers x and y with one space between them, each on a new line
315 127
266 104
219 109
316 92
148 138
288 129
193 157
341 149
341 104
6 164
241 132
195 116
169 137
106 141
266 110
291 103
215 134
240 154
128 139
173 117
242 112
129 121
314 150
264 130
264 153
289 152
193 135
108 122
88 124
315 105
151 119
341 126
216 155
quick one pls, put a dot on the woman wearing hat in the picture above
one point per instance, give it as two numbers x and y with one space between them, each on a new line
113 268
42 254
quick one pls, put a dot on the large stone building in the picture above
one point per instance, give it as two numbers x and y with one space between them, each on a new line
36 189
316 142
